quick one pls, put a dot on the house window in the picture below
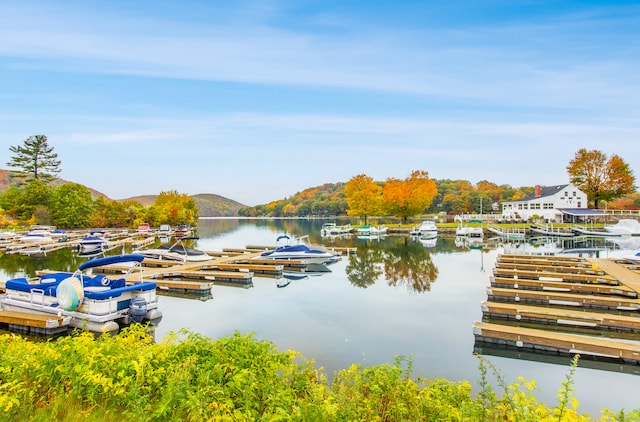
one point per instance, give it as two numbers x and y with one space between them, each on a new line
547 206
579 204
574 193
535 206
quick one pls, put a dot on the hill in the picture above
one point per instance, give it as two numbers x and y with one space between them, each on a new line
6 181
210 205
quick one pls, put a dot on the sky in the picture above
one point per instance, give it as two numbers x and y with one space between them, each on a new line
259 100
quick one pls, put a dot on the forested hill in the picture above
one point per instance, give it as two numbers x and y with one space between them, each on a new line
209 204
6 181
327 199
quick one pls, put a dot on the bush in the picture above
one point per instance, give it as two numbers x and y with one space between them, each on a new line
238 378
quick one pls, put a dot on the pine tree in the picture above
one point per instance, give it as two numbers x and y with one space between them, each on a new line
36 160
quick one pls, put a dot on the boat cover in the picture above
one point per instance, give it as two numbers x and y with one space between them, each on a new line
116 259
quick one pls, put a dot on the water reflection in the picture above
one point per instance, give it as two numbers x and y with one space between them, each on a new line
409 263
364 267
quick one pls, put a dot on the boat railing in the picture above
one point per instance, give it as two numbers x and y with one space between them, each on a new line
37 294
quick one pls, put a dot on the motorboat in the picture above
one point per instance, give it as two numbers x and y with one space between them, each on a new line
426 230
624 227
93 242
143 229
164 230
371 230
38 234
635 258
93 302
299 249
332 229
176 251
183 230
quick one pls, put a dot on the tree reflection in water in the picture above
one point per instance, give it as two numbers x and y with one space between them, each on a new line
364 267
407 263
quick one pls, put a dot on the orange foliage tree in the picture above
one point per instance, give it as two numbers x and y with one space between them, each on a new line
409 197
601 178
363 196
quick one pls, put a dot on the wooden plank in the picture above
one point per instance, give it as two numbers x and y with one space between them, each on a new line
620 272
183 285
207 275
562 286
556 259
571 343
568 317
546 267
566 299
555 276
256 268
33 320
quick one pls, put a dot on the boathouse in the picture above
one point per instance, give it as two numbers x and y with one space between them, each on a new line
549 203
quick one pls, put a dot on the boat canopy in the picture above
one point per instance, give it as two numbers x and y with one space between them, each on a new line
116 259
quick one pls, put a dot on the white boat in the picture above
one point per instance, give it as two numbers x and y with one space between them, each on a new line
299 249
624 227
164 230
426 230
465 230
371 230
635 258
38 234
96 303
332 229
176 251
94 242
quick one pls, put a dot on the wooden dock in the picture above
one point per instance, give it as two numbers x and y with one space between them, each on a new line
35 324
563 305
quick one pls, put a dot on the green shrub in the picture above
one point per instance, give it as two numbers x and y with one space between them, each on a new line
238 378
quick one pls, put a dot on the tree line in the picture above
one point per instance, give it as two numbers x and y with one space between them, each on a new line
33 200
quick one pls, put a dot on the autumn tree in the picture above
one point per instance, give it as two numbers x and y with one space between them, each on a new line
599 176
36 160
173 208
409 197
364 196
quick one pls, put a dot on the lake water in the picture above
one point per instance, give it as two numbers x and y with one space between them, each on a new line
395 296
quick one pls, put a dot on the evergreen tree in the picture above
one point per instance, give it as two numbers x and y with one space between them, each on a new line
36 160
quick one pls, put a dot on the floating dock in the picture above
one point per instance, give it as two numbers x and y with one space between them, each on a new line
34 324
563 306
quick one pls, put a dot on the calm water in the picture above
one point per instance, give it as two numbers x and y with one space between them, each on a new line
394 297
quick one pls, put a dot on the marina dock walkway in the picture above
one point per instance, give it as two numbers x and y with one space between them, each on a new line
563 305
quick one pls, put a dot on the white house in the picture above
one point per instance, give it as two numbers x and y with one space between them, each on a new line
549 203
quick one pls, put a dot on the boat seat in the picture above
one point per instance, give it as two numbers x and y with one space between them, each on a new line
101 280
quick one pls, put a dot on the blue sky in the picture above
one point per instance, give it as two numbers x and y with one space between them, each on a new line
256 101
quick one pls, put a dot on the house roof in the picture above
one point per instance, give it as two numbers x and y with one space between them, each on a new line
545 191
582 212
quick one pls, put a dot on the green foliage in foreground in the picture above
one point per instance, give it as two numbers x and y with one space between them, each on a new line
191 377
